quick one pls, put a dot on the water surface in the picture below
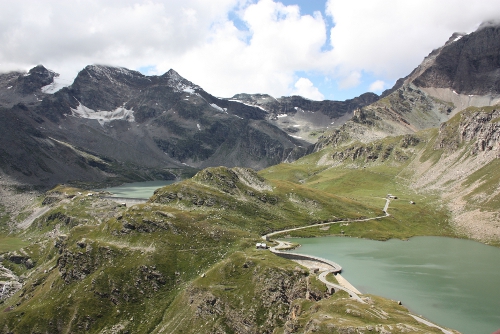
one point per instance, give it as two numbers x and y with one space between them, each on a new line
138 189
453 282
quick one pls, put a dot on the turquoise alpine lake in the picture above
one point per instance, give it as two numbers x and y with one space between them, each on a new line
452 282
138 189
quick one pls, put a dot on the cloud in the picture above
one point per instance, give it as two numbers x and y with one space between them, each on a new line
350 80
278 43
304 87
377 86
391 37
260 51
72 34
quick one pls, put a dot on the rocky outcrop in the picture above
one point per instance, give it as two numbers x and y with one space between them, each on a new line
75 265
274 290
377 151
407 110
480 127
26 88
468 64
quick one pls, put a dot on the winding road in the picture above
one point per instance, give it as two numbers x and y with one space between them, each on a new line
334 267
266 237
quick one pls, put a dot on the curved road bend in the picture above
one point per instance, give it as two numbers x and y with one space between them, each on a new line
265 237
337 268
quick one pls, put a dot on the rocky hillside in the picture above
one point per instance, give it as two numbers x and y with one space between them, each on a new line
460 162
456 163
462 73
303 118
114 122
183 262
467 64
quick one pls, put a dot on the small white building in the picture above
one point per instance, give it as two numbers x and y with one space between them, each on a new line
260 245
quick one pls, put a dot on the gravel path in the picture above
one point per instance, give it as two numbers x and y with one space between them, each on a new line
37 213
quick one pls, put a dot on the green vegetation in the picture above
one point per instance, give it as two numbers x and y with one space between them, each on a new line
488 179
4 219
185 261
11 244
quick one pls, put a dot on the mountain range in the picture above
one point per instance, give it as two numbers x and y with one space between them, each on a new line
114 122
185 261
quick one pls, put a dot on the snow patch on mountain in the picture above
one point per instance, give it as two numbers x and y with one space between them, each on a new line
103 116
213 105
189 90
179 84
248 104
56 85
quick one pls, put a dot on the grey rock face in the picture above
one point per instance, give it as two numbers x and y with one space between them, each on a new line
469 64
26 88
122 118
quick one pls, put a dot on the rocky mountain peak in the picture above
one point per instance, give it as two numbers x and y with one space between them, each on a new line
178 83
466 64
111 73
35 79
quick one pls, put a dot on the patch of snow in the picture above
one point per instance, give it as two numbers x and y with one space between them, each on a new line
56 85
296 125
213 105
239 117
282 115
455 92
296 108
9 87
456 39
295 136
247 104
27 74
198 126
103 116
179 84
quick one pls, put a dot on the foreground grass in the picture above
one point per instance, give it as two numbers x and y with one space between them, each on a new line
8 244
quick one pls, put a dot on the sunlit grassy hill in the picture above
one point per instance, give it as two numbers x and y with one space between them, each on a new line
185 260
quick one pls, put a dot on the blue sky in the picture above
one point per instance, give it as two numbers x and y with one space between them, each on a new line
234 46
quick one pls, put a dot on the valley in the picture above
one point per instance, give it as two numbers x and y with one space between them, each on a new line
416 161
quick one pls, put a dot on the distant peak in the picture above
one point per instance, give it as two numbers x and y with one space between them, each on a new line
42 71
178 83
172 72
173 75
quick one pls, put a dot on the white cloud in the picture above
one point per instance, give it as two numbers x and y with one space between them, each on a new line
385 38
391 37
350 80
281 42
377 86
72 34
304 87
